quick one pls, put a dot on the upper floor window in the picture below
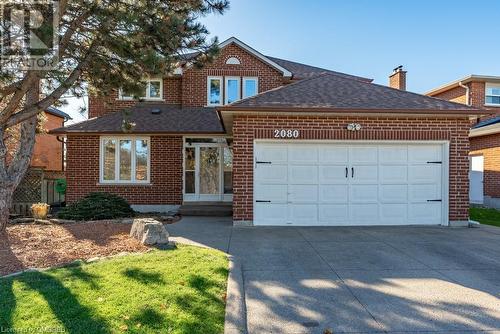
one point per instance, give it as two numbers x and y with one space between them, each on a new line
250 87
232 89
493 94
124 160
152 91
229 89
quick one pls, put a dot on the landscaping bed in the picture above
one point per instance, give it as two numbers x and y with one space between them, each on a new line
39 246
181 290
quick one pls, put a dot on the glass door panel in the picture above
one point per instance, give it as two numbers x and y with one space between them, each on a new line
209 171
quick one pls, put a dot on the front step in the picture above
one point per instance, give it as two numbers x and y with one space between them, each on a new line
213 210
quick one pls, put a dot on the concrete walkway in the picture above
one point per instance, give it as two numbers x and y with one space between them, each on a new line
355 279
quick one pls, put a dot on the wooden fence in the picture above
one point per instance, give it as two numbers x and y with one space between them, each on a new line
37 186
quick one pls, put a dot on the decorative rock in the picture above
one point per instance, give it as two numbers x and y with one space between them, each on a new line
43 222
167 218
149 231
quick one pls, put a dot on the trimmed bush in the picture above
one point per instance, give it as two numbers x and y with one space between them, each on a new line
97 206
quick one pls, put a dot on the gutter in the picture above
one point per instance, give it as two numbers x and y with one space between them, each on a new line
467 92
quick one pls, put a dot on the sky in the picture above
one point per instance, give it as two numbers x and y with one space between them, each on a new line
436 41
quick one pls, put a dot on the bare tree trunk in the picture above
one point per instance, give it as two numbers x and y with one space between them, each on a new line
11 176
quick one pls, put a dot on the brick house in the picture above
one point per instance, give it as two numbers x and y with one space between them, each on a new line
48 152
481 92
285 143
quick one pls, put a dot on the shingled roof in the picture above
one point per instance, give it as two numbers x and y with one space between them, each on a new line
333 91
152 118
303 71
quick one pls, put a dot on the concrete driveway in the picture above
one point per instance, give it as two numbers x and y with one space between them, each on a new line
355 279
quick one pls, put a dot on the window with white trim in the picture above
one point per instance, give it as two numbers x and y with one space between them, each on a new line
232 92
250 86
152 91
492 94
214 91
124 160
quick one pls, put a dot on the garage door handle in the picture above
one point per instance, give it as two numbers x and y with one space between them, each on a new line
434 200
346 172
352 171
262 201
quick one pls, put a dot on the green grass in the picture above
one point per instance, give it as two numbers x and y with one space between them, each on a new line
174 291
485 216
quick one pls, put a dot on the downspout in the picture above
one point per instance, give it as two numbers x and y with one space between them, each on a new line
467 93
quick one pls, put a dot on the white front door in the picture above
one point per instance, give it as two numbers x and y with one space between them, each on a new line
304 183
476 179
207 172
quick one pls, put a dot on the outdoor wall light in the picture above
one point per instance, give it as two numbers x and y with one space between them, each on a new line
353 126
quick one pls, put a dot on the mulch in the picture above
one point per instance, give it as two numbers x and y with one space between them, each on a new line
26 246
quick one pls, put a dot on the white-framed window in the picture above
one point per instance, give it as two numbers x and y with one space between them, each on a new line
232 90
492 94
214 91
250 86
153 91
124 159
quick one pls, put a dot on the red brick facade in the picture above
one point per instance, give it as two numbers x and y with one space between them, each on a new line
248 128
166 171
48 151
488 146
190 89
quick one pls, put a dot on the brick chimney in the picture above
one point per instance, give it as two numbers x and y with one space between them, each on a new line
398 78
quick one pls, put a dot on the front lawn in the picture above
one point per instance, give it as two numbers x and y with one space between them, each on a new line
174 291
485 216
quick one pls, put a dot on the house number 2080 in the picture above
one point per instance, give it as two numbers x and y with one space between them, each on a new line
286 133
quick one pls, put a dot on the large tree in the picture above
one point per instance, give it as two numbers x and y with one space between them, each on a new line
102 44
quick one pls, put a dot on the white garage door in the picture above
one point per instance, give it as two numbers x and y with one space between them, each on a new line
347 184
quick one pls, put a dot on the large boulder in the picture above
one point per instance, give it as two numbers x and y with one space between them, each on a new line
149 231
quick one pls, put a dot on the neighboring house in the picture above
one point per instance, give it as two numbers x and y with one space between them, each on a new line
286 143
48 152
481 92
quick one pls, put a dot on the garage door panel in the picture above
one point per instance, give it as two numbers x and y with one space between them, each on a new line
303 174
365 214
272 153
424 192
393 193
271 214
428 173
393 155
268 173
334 155
303 154
393 214
363 193
272 192
424 213
304 193
424 153
332 214
335 193
363 174
333 174
393 174
303 214
363 154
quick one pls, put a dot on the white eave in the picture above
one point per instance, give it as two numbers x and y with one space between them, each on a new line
249 49
485 130
456 83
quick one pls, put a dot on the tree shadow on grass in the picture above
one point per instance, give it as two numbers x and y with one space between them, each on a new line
143 276
75 317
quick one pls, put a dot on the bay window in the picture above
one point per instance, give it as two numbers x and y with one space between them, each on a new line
153 90
124 160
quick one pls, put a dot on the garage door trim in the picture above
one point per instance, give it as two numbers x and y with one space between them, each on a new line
445 147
